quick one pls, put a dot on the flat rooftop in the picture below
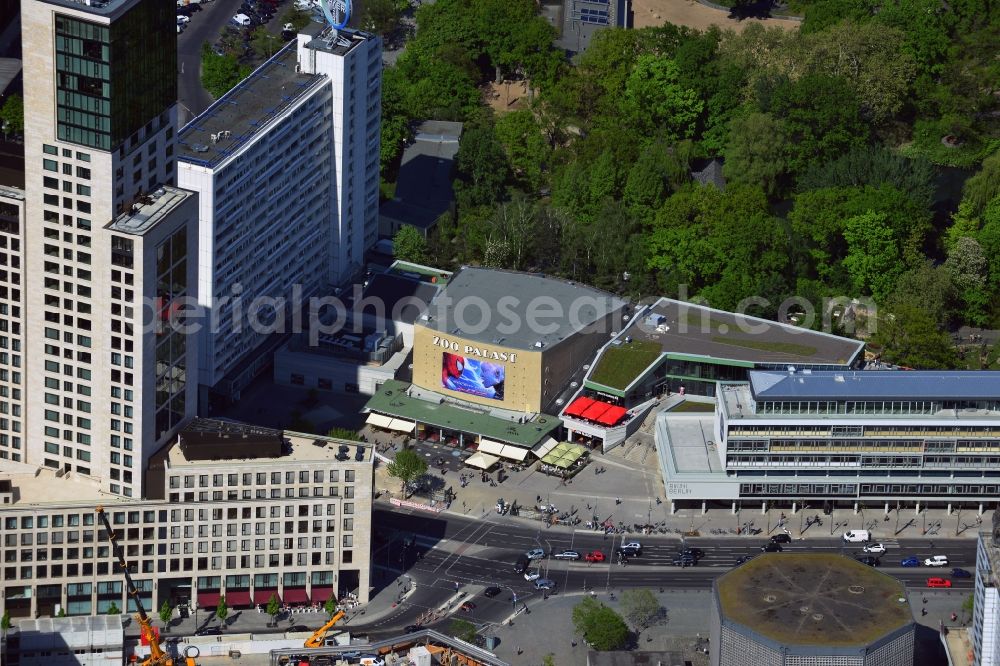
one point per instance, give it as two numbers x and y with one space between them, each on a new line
149 211
98 7
392 400
346 40
691 442
423 188
300 447
425 273
687 328
402 297
239 115
814 599
561 308
32 485
952 386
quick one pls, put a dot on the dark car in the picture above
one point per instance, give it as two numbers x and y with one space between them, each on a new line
771 547
870 560
629 552
960 573
410 628
781 538
491 592
521 565
743 558
696 553
685 561
467 607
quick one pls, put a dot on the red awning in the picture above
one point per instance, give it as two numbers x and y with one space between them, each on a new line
263 596
321 594
578 406
209 599
613 416
236 598
594 412
295 595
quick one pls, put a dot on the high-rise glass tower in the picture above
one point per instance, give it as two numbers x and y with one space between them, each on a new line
106 244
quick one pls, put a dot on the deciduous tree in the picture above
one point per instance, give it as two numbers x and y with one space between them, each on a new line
758 152
600 626
406 467
640 607
410 245
873 257
12 115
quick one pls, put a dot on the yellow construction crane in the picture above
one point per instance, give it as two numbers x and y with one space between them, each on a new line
157 657
316 640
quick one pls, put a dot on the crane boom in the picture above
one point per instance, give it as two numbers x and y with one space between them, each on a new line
316 640
157 657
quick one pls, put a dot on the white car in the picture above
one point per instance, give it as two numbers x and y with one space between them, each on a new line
532 574
632 544
567 555
936 561
183 20
874 549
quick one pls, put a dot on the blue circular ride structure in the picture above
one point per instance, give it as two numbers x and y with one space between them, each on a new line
342 8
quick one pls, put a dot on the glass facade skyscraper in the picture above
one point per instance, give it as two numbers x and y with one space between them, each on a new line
111 80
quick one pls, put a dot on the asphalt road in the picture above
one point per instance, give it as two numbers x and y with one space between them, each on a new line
479 553
205 26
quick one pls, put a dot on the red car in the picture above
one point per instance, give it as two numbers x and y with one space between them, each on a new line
938 582
594 556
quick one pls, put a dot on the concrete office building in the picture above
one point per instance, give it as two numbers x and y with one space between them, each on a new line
806 609
865 439
286 166
986 607
673 346
233 510
12 365
100 83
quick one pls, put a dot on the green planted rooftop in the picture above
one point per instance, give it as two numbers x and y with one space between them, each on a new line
820 599
392 400
619 366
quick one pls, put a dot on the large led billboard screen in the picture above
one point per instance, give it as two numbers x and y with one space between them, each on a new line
472 376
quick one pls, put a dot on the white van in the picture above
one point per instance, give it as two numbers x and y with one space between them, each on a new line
241 19
857 536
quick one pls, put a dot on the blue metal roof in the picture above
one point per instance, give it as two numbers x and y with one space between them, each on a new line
875 385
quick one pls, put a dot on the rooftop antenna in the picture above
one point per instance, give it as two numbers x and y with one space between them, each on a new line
337 16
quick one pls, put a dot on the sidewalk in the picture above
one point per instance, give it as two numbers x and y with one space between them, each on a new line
633 476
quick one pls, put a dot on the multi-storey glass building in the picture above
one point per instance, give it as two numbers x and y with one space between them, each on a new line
233 510
99 96
864 439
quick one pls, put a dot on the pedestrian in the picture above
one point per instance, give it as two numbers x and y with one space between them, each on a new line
519 650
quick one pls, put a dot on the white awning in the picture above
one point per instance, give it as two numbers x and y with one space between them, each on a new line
378 420
490 446
514 452
542 449
481 460
402 425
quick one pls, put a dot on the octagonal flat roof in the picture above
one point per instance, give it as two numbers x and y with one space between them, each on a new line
815 599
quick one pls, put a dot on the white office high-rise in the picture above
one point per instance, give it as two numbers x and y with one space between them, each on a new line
286 166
